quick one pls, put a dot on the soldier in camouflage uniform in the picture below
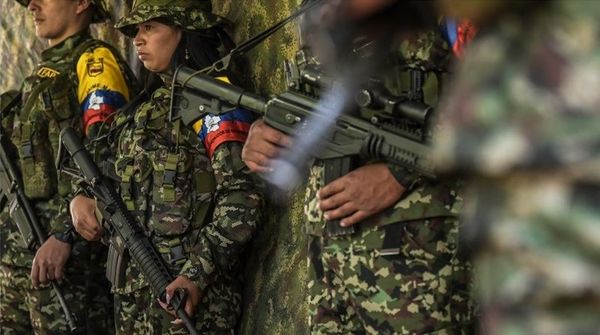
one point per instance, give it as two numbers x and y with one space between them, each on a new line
79 83
187 185
402 272
523 122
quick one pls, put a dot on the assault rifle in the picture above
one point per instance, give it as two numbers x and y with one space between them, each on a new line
385 127
121 223
21 211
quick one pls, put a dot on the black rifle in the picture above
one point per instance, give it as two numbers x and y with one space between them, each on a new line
122 224
387 128
21 211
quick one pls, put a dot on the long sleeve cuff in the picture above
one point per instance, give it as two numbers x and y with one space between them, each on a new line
199 270
408 179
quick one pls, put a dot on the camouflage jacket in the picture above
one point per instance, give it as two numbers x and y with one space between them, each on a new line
199 210
522 123
428 52
79 82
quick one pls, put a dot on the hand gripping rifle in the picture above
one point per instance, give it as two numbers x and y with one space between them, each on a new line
123 224
21 211
387 128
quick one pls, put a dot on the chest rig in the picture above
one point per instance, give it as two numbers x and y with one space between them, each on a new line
166 178
49 104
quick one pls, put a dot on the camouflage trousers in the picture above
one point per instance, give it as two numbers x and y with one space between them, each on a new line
138 312
25 310
403 278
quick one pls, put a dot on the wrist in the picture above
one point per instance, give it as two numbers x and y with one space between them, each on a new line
67 236
404 177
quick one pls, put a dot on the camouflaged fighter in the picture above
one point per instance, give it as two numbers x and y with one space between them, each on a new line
186 186
80 81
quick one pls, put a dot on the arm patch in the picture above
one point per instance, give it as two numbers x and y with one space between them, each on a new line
102 88
215 130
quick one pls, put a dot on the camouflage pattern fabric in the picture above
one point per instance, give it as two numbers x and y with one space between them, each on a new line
522 122
48 97
275 279
25 310
15 286
187 14
404 271
384 287
200 243
139 312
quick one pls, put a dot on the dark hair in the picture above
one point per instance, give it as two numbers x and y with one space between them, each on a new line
200 49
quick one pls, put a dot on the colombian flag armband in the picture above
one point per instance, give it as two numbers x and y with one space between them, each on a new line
102 88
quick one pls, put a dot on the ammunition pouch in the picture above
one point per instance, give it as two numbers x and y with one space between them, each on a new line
37 164
38 139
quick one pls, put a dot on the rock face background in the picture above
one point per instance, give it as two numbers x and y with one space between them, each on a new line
275 301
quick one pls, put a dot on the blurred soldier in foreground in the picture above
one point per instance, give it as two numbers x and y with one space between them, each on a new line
79 82
522 123
402 271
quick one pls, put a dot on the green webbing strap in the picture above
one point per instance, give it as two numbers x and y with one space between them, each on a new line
26 144
31 100
169 172
126 187
176 132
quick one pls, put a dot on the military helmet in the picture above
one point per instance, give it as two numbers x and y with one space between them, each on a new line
191 15
100 10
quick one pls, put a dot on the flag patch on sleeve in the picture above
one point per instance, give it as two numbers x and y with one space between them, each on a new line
215 130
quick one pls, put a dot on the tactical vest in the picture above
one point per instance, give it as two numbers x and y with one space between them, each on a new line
49 104
166 177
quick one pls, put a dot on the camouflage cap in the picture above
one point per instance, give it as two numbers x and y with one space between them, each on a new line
187 14
100 14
